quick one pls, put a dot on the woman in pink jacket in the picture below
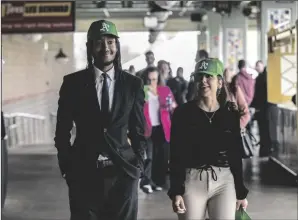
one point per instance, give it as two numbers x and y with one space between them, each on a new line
235 92
159 105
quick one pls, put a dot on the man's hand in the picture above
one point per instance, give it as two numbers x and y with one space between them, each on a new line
178 205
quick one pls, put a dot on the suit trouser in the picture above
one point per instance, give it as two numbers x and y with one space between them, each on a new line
160 156
146 179
263 123
105 194
205 194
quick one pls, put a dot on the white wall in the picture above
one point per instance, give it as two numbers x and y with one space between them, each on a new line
29 69
252 47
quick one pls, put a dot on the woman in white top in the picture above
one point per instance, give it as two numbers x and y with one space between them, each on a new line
158 108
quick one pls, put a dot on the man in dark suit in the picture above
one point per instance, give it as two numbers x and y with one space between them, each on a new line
103 167
4 162
3 133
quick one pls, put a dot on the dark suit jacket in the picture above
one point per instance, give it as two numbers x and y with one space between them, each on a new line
78 103
3 133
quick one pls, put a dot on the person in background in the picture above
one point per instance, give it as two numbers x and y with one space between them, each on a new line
3 132
228 75
178 85
205 159
260 103
102 169
132 70
201 54
294 99
165 71
245 81
150 59
160 104
4 162
236 95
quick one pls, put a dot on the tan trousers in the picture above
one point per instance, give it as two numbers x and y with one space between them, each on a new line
206 194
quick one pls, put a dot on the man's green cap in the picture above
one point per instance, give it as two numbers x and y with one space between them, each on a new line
210 66
100 28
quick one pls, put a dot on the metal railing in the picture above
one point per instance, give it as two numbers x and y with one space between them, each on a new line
25 129
53 121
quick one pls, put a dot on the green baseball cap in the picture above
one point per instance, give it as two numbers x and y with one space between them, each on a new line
210 66
100 28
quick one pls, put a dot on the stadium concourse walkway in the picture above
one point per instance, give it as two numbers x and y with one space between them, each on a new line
36 190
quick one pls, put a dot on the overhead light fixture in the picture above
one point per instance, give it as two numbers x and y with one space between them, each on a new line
127 4
61 56
250 9
156 20
100 4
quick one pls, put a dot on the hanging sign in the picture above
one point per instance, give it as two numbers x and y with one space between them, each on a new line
37 16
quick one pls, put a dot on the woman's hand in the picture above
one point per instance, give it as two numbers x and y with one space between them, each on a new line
243 203
178 205
174 105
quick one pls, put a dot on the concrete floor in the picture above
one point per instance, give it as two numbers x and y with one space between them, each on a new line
37 192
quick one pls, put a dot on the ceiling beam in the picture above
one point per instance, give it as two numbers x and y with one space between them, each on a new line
136 24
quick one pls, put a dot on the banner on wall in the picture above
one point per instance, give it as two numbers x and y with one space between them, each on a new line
37 16
279 19
234 51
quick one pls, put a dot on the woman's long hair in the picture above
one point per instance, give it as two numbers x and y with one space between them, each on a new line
90 59
146 75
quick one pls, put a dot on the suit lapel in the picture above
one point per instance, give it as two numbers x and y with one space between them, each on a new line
91 92
118 94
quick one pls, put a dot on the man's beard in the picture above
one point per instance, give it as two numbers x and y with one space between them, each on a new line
102 63
108 63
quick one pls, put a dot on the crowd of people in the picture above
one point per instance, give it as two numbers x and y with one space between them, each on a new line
152 125
247 87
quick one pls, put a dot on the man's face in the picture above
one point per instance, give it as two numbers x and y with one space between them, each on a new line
198 57
104 50
260 67
180 72
150 59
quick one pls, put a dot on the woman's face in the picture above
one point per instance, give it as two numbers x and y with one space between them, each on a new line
153 78
208 85
165 70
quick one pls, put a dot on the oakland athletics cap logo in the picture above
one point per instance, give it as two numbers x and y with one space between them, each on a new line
105 27
204 65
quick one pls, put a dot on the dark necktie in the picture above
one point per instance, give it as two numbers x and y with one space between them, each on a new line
105 102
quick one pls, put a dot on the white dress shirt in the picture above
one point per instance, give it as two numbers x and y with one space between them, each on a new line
99 83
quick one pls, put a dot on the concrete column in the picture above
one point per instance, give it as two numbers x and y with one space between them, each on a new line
214 28
266 8
235 29
203 41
